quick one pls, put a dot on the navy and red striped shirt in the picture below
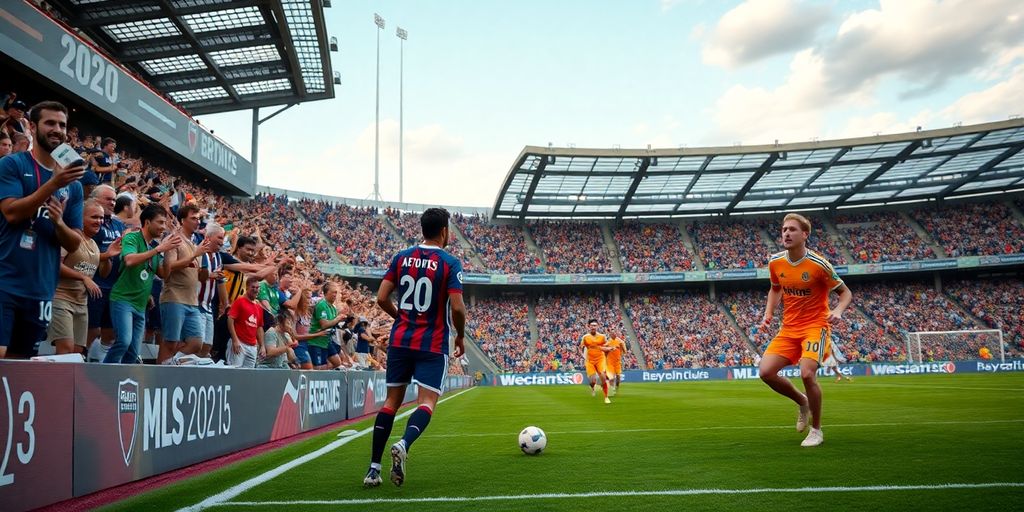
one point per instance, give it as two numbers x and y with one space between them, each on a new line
424 277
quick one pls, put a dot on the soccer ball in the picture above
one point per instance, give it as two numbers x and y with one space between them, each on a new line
532 440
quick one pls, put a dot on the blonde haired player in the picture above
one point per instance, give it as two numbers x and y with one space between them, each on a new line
594 347
802 280
613 361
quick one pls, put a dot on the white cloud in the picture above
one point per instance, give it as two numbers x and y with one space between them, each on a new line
999 101
921 44
757 29
924 42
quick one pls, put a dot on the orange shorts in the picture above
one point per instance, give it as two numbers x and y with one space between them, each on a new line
813 343
614 368
593 367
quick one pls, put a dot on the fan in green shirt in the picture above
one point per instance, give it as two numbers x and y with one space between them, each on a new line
325 316
141 259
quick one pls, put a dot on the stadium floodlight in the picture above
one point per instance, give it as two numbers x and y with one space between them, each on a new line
334 43
403 35
376 123
337 78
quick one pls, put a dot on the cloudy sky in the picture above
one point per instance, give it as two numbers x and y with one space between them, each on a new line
484 78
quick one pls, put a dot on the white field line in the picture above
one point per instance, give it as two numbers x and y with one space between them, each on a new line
257 480
826 426
935 387
619 494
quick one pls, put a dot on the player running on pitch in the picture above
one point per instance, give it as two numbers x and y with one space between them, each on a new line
835 358
802 280
429 286
613 360
594 348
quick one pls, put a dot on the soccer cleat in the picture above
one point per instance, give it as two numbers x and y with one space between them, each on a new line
593 392
398 456
372 478
607 400
801 418
814 438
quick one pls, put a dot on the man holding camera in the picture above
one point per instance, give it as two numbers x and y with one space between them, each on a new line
41 203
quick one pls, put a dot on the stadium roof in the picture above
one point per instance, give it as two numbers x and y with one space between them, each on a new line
617 183
214 55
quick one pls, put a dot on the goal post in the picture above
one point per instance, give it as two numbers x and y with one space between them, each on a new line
926 346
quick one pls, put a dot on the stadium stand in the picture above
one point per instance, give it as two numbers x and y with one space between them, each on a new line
973 229
685 330
501 327
359 234
572 247
561 322
408 223
876 237
731 245
647 247
501 247
999 306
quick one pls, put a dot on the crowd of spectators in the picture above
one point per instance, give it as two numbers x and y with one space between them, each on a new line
408 224
685 330
200 233
999 304
501 327
359 234
973 229
901 308
877 237
501 247
724 245
562 322
647 247
571 247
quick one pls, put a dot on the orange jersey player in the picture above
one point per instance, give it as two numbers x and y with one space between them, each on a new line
613 360
594 348
802 280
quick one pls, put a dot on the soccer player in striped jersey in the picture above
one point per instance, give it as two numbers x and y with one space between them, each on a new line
428 282
801 279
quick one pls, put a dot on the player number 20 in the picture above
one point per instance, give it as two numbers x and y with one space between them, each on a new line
420 290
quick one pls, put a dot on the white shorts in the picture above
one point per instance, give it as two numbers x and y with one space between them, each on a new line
207 325
244 359
361 358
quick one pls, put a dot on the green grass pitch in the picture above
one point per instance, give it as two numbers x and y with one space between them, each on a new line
728 435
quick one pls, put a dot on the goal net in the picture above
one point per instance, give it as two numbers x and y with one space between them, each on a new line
929 346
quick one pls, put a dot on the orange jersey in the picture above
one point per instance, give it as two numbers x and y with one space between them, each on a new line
594 344
805 287
615 356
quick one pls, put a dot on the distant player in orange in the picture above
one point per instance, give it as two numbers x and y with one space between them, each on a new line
594 348
613 360
802 280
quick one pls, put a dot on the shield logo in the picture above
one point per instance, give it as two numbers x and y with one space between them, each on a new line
127 416
193 136
303 401
805 277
